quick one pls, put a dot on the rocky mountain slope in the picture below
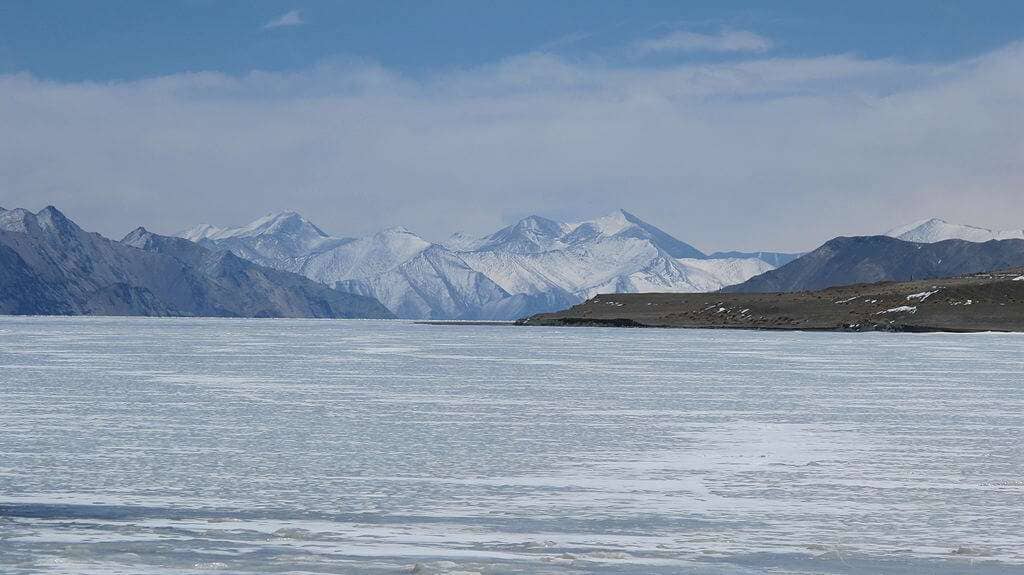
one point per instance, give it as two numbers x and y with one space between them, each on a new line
983 302
855 260
49 265
534 265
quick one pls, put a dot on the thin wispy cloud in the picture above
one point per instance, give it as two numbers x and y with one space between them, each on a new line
288 19
563 41
682 41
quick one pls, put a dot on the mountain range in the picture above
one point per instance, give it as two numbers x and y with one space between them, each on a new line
49 265
531 266
869 259
283 265
931 248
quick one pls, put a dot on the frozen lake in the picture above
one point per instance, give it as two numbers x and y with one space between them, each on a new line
189 446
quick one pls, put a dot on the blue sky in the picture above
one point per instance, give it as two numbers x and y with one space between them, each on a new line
105 40
729 124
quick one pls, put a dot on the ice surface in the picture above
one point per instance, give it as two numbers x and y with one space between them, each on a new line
243 446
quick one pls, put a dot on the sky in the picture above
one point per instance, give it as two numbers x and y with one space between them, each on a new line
731 125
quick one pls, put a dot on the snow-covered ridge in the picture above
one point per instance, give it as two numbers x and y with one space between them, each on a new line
283 222
608 225
937 230
533 265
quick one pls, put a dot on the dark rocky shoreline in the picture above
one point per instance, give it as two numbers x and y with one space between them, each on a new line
975 303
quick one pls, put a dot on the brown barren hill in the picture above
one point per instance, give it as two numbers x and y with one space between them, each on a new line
981 302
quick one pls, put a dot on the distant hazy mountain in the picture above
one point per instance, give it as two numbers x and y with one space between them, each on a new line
48 265
936 230
411 276
846 261
775 259
532 266
614 253
277 240
536 234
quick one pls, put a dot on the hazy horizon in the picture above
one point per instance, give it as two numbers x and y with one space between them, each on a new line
731 127
441 240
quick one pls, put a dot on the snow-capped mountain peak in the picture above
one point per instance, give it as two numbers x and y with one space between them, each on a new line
276 240
199 232
606 225
614 252
50 218
536 234
530 234
399 241
282 223
535 264
535 227
397 230
461 242
937 230
17 220
622 224
46 220
279 224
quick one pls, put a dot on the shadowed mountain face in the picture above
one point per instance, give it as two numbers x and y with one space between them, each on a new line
48 265
855 260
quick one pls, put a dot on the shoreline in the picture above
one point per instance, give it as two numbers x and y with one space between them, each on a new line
988 302
631 324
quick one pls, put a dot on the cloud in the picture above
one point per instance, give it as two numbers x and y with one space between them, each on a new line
291 18
764 153
683 41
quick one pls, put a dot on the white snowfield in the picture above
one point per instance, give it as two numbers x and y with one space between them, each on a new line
534 265
937 230
922 296
900 309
